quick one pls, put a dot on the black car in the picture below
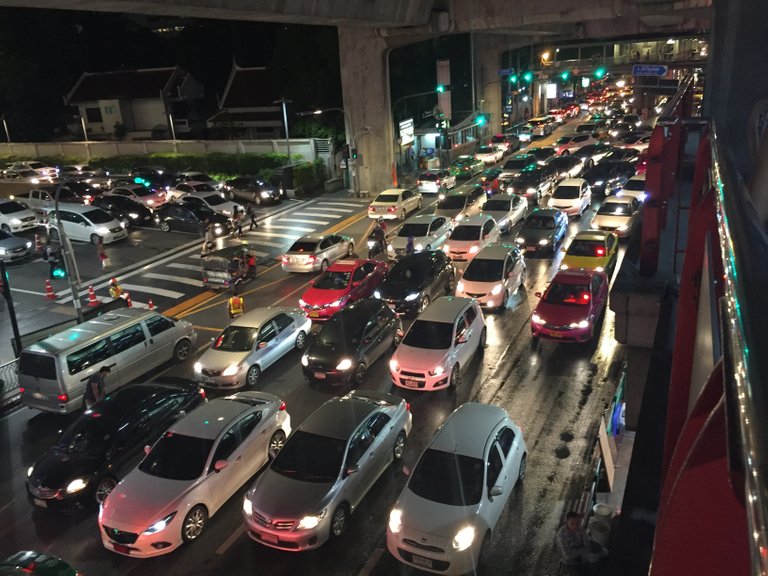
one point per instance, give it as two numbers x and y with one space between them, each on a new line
607 177
621 155
154 179
543 230
351 341
415 280
591 153
106 441
534 183
81 189
253 190
620 129
543 154
191 218
125 209
567 166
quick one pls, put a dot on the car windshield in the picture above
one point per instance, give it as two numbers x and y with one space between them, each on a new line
540 223
36 165
563 192
452 203
536 122
485 150
98 216
177 457
429 335
497 204
333 280
591 248
585 128
635 185
214 200
204 188
405 271
235 339
411 229
27 173
429 176
87 437
517 163
201 177
386 199
11 207
447 478
310 458
527 177
484 270
543 153
466 233
303 246
142 192
567 294
464 160
340 331
615 209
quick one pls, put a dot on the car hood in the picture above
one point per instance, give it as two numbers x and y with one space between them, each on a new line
497 214
399 290
140 500
462 244
421 358
220 359
432 518
13 243
610 221
564 203
399 242
561 315
330 355
56 469
478 287
277 496
318 296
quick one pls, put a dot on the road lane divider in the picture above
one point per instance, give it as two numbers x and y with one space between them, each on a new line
177 310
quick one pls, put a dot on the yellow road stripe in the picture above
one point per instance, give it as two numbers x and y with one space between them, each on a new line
208 329
203 296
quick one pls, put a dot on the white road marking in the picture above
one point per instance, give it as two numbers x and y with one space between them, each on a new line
152 290
327 209
372 560
231 539
185 266
303 221
288 227
268 243
22 290
353 204
173 278
274 234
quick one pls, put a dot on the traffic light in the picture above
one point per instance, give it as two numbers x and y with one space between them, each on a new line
513 78
345 152
528 76
599 73
482 119
440 88
353 153
58 270
564 75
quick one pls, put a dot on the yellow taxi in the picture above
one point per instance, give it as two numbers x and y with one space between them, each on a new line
592 249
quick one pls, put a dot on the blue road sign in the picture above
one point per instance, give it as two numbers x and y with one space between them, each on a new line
506 71
649 70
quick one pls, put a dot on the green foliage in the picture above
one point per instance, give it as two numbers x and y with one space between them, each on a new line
309 177
120 131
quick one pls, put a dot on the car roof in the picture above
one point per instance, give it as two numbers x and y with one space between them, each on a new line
257 317
575 276
524 156
78 208
346 265
599 235
495 252
360 311
207 421
477 220
445 309
339 417
572 181
310 238
468 428
392 191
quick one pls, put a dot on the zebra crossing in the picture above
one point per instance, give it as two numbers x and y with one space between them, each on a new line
166 283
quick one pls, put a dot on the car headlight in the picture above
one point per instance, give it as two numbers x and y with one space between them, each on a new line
599 182
463 538
302 303
133 215
30 470
419 247
337 303
536 319
473 249
218 230
376 294
520 240
151 202
460 286
231 370
437 371
160 524
35 181
543 242
441 197
531 191
198 367
247 506
497 289
563 266
459 217
15 221
393 365
411 297
28 245
2 250
395 520
345 364
76 485
122 224
309 522
264 194
600 269
371 244
390 248
102 230
446 248
305 360
582 324
227 212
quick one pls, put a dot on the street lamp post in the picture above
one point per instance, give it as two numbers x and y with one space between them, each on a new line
7 134
284 101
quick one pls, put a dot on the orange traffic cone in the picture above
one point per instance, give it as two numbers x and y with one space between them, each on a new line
150 304
49 294
128 300
38 244
92 297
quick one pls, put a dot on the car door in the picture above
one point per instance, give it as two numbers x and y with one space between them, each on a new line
359 466
336 247
217 487
162 336
254 443
286 334
598 296
496 474
406 201
325 249
586 196
463 330
131 353
490 232
612 247
267 344
438 232
375 340
361 281
75 226
381 427
518 210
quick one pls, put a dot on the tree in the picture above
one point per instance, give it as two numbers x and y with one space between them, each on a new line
120 131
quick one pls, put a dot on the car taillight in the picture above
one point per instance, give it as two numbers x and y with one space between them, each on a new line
418 182
201 391
282 406
408 406
285 259
21 389
600 252
391 208
585 297
436 182
371 209
311 257
62 398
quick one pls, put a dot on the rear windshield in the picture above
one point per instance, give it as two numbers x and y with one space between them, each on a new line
566 192
635 185
452 203
429 177
303 246
446 478
615 209
143 192
568 294
485 150
517 163
387 198
37 365
535 122
585 128
591 248
484 270
177 457
98 216
235 339
466 233
497 204
214 200
204 188
429 335
411 229
10 207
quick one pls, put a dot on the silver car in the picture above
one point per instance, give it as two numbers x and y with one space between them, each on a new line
429 232
325 469
314 252
250 344
13 248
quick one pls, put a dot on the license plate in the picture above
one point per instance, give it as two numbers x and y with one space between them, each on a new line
122 548
267 537
530 248
320 375
556 335
421 561
41 503
411 383
314 314
209 383
38 395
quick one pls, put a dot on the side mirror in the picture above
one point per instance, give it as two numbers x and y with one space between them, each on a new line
537 294
356 283
147 449
353 469
262 345
495 491
220 465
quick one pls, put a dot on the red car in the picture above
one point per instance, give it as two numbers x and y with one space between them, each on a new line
559 114
572 306
642 164
342 283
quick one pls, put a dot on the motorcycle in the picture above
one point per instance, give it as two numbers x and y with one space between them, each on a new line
375 247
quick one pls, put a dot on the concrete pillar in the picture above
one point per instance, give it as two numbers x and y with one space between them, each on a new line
365 89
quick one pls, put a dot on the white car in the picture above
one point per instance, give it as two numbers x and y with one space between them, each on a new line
40 168
198 177
250 344
489 154
618 214
213 201
15 217
634 187
190 472
26 177
394 203
141 194
183 188
431 181
87 224
438 344
462 203
429 232
496 273
573 196
470 236
445 517
639 142
506 210
570 143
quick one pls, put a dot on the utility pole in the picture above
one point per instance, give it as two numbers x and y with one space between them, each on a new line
283 101
69 258
7 134
6 291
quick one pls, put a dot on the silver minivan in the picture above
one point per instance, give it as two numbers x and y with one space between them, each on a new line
53 372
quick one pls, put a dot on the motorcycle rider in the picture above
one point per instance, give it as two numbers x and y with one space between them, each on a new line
380 234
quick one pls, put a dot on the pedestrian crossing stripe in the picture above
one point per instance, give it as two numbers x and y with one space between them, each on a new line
353 204
152 290
185 266
275 234
326 209
303 221
289 227
173 278
268 243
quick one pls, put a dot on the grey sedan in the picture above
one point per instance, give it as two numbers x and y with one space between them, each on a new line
13 248
314 252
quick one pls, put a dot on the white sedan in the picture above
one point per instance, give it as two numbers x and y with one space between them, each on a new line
183 188
394 203
445 516
506 210
489 154
190 472
213 201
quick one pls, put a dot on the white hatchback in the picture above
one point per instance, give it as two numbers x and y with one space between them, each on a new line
506 210
445 516
429 232
573 196
394 203
470 236
15 217
496 273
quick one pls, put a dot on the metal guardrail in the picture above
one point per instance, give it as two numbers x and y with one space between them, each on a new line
744 251
9 381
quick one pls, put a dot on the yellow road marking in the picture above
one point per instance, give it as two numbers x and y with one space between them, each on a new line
203 296
208 329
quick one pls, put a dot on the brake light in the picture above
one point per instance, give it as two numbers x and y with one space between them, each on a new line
311 257
282 406
436 182
201 391
408 406
285 259
371 209
391 208
21 389
585 297
600 251
62 398
418 182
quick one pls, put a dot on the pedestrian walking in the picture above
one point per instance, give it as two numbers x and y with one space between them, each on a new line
101 251
252 216
207 237
95 387
240 217
577 551
409 247
235 304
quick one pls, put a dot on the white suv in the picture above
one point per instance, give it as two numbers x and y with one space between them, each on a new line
442 339
496 273
573 196
394 203
446 514
470 236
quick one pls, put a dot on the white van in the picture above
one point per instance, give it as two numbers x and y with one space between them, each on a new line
53 372
88 223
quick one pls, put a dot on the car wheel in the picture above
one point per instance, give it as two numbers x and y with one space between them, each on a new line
339 521
483 338
455 378
95 239
301 340
399 447
5 228
428 247
252 376
324 266
103 488
423 303
182 350
359 374
521 472
350 250
194 523
276 443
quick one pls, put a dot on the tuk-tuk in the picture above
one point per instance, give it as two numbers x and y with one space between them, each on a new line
229 266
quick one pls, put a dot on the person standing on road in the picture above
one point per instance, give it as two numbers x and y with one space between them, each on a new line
207 237
577 551
102 252
252 216
94 388
235 304
409 247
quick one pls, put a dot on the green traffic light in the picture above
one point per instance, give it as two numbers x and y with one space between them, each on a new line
59 273
480 121
600 72
528 76
440 88
564 75
513 78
